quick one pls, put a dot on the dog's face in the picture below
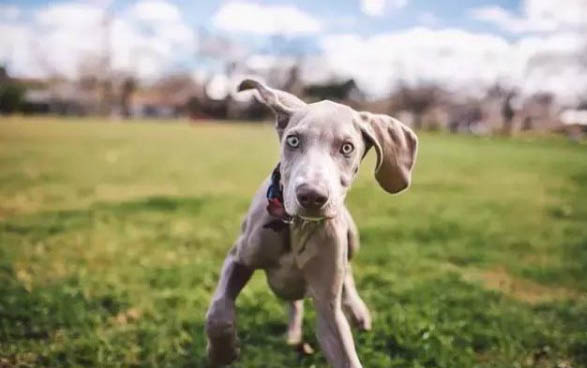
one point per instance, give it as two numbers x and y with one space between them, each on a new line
321 149
322 145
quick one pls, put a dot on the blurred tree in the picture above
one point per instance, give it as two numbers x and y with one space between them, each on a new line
416 100
508 113
128 88
11 93
294 83
3 73
11 97
338 91
105 68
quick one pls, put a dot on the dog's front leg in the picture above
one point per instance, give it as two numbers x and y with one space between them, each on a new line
325 272
221 319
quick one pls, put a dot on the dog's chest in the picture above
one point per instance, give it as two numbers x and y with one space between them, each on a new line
307 240
286 278
302 247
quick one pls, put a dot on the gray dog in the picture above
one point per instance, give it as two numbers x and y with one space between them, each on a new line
298 229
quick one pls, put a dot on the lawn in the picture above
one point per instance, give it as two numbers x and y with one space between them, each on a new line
112 236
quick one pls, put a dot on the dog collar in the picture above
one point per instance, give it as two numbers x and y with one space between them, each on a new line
275 205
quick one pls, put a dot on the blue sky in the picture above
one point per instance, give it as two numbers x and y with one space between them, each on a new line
530 44
448 13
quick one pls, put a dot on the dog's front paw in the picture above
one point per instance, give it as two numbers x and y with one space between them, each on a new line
220 354
221 330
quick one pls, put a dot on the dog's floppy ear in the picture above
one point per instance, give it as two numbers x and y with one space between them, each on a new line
283 104
396 146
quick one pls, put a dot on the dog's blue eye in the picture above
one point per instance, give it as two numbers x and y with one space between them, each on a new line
293 141
347 148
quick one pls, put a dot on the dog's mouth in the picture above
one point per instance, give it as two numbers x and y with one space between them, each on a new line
326 213
315 219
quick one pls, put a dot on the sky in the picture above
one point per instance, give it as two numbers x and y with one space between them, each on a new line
533 45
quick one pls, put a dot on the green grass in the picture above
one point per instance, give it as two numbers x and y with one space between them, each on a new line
112 236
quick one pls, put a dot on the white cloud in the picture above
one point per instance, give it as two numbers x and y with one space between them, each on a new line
156 11
505 20
377 8
379 61
458 60
147 37
553 61
16 49
567 13
72 14
240 16
537 16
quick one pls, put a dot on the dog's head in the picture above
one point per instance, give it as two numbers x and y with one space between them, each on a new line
322 145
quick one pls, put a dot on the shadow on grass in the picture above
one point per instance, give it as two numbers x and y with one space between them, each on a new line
74 320
43 315
441 322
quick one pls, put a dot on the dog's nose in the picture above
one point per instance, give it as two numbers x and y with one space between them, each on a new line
311 197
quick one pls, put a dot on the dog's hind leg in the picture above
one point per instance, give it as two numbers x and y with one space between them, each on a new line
295 322
353 304
221 316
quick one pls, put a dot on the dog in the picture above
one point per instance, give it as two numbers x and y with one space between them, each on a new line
298 229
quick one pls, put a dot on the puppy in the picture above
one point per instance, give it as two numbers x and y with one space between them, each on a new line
298 229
